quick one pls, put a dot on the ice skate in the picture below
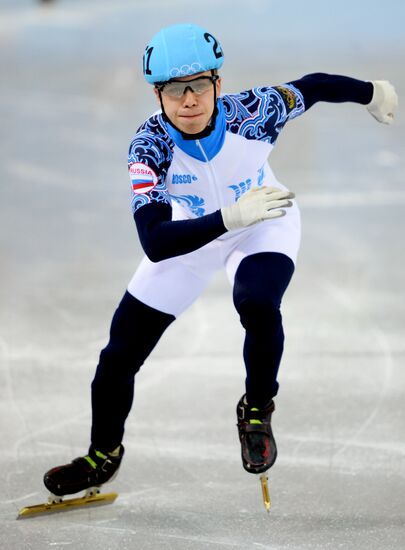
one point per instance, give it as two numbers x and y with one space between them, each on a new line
87 473
92 470
258 447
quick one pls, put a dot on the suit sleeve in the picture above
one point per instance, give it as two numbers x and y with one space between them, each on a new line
333 88
261 113
161 238
148 161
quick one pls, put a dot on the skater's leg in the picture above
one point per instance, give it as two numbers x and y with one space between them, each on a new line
135 330
260 282
260 268
163 290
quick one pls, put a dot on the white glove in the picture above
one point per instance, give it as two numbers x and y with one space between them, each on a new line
384 101
258 204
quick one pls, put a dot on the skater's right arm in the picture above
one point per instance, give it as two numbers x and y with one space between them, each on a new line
163 238
150 156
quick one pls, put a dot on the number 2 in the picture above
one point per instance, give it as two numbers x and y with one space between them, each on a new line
216 48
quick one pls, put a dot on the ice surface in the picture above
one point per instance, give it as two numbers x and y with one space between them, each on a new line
71 96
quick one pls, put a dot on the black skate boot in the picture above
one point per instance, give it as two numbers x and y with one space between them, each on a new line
259 451
85 472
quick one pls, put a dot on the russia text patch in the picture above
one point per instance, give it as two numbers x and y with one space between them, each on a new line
143 178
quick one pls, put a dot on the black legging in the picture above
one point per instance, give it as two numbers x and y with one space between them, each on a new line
260 282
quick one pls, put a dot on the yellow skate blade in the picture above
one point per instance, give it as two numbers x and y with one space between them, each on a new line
81 502
265 491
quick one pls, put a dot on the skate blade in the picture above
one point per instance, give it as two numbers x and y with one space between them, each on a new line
81 502
265 491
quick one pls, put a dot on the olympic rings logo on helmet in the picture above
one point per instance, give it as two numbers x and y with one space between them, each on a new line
181 50
186 70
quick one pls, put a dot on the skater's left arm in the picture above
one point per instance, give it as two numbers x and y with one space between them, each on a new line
379 95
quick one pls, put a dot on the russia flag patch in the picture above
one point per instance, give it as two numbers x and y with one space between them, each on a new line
143 178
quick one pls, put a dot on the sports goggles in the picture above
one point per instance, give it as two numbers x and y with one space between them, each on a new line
177 88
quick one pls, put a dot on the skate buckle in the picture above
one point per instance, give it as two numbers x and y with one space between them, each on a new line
106 461
242 413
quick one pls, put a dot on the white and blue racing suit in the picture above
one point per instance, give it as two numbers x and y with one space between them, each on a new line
178 187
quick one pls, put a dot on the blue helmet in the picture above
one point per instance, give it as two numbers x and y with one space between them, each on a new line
181 50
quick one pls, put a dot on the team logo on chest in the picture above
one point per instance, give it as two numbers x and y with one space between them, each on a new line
143 178
183 178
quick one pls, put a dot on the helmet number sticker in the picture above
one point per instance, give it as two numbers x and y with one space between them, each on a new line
146 60
216 48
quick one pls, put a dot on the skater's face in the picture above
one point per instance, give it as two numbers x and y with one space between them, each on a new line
191 111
